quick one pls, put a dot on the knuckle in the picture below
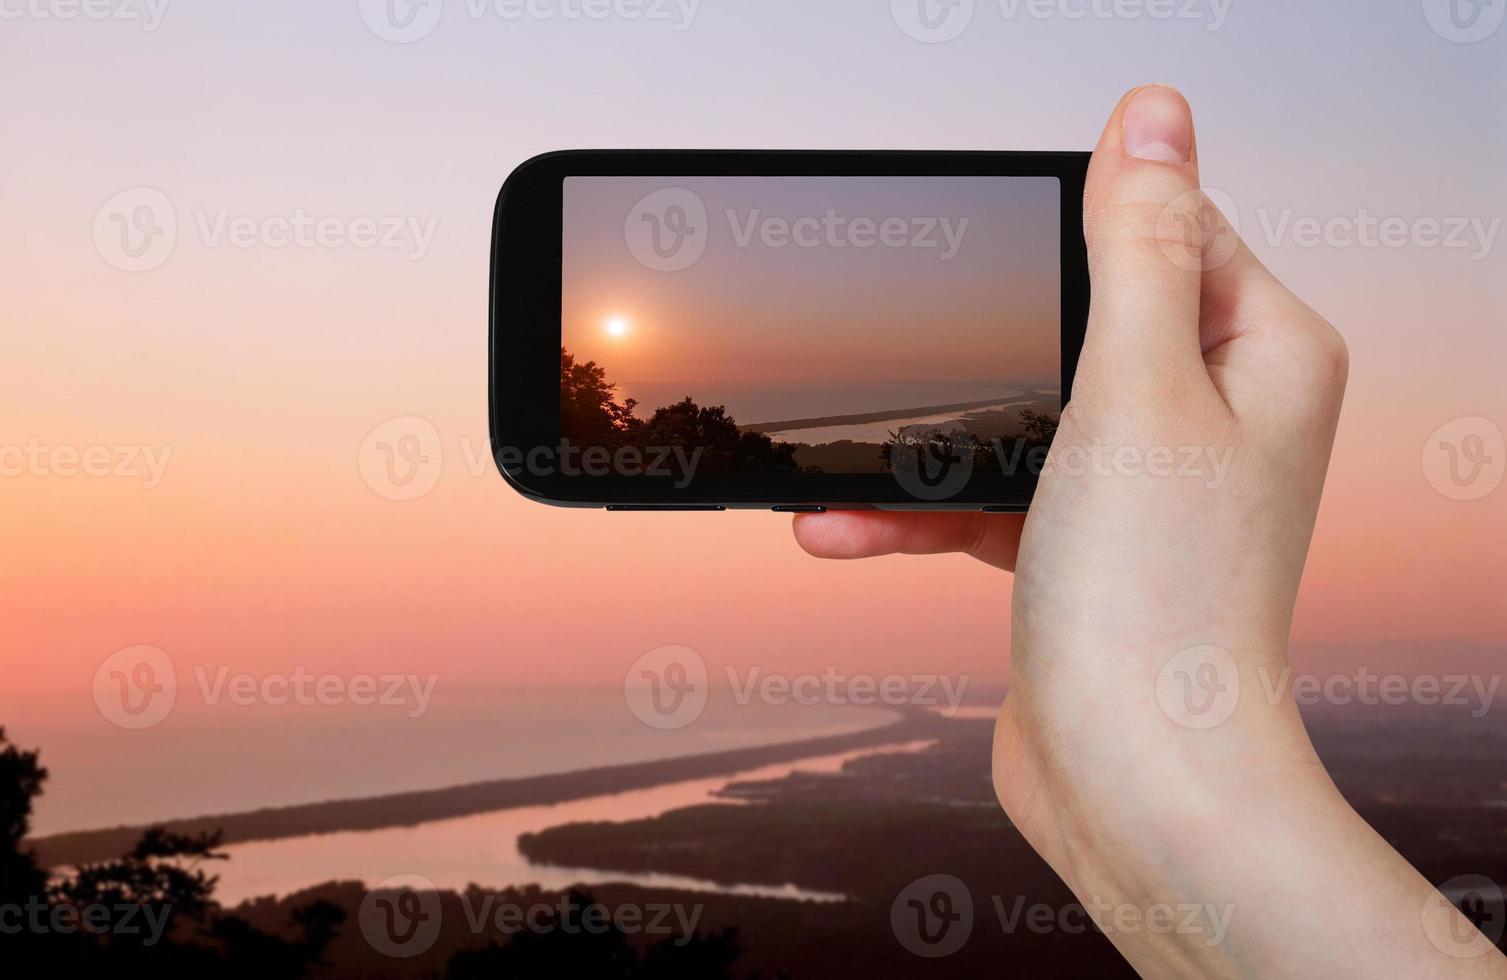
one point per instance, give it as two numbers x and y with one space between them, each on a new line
1179 231
1325 353
1316 354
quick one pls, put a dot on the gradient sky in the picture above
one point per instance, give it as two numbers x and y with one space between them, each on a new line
982 307
264 369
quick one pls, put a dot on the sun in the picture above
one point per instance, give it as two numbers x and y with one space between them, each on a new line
616 327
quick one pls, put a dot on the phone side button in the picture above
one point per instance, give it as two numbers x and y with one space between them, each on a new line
798 509
1004 510
664 507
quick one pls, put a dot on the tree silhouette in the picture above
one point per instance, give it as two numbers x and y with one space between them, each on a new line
591 416
155 905
723 446
589 412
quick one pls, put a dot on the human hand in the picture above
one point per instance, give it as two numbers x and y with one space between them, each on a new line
1137 587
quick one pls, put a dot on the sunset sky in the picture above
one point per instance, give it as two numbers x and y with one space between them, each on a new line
261 370
979 303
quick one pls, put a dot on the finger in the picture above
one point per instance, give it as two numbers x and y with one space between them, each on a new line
1271 357
1141 211
992 538
1234 282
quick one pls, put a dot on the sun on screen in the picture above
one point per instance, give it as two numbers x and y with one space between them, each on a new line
616 327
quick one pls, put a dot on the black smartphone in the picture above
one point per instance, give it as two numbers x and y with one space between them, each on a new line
795 330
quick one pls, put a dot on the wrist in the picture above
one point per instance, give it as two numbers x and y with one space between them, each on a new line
1101 789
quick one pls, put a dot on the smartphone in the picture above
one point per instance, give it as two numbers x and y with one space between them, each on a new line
793 330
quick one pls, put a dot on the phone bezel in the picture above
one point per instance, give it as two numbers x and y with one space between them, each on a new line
525 324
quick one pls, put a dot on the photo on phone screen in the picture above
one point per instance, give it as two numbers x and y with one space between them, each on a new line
703 329
811 324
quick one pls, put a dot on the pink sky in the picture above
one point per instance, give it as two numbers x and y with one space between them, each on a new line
263 369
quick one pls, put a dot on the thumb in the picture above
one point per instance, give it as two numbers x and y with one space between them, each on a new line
1141 221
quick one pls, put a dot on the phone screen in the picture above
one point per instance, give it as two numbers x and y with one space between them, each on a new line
809 324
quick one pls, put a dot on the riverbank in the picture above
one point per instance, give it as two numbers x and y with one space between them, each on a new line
411 808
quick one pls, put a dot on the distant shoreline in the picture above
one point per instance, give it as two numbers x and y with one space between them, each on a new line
1029 394
424 806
